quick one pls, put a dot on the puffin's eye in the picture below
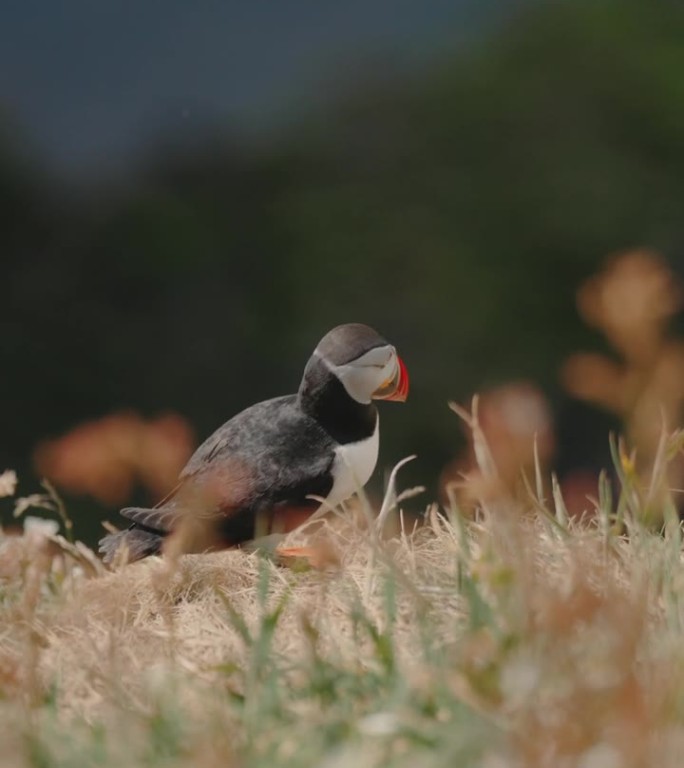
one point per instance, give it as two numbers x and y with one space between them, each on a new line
381 365
376 358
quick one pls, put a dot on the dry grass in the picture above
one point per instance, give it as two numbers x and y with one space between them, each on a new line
520 638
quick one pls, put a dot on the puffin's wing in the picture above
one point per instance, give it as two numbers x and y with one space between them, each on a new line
220 488
230 440
264 450
282 454
212 466
268 458
158 519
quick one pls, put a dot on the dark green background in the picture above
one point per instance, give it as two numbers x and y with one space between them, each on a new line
455 205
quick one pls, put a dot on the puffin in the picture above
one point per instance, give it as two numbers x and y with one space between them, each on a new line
274 464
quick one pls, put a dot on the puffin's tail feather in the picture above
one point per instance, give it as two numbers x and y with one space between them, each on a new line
137 542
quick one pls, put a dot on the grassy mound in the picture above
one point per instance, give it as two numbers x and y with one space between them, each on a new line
515 638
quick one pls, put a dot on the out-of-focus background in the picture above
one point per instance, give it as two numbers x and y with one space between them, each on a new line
193 193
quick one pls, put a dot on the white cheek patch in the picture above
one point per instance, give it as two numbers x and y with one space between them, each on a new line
367 373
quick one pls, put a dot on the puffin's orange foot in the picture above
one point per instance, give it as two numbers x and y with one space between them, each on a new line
320 557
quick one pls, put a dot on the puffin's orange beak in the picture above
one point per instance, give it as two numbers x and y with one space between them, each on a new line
395 388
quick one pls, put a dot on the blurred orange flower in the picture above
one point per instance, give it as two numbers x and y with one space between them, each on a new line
105 458
510 417
632 301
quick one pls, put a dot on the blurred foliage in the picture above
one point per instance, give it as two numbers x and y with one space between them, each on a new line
457 212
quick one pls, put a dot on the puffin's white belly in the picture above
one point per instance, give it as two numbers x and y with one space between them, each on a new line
353 466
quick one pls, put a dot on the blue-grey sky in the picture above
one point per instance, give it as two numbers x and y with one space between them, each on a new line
91 82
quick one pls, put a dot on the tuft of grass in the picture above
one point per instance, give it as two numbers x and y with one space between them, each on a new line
520 637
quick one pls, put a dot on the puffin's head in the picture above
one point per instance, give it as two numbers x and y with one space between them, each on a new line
367 365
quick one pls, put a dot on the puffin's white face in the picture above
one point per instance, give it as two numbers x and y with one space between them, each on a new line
377 375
